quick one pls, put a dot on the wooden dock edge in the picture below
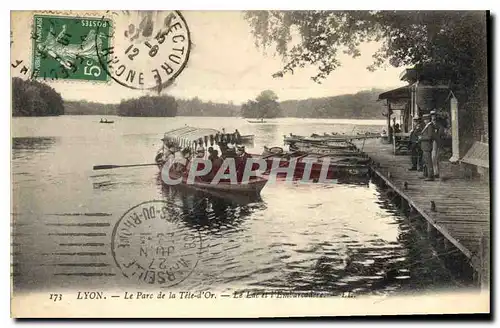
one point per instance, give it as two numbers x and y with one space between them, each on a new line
475 260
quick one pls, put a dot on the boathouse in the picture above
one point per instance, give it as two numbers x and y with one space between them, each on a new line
429 88
453 210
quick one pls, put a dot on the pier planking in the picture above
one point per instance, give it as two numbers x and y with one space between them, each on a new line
462 206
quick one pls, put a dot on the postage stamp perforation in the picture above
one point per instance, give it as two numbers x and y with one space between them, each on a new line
29 61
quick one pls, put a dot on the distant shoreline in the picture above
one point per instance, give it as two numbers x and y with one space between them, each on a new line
270 120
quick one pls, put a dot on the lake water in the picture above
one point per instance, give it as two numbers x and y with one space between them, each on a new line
335 238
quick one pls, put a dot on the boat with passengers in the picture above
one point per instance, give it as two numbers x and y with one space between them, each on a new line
191 142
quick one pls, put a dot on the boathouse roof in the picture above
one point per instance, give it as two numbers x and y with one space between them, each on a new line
396 94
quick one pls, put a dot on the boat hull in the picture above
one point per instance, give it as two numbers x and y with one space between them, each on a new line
249 188
336 168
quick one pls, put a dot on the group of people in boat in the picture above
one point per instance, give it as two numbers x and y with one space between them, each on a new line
169 152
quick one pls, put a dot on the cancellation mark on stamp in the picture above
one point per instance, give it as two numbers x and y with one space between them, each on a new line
150 49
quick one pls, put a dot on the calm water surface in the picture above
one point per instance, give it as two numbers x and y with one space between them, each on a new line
335 238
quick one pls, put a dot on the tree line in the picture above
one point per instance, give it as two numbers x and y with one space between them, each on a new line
198 107
185 107
32 98
83 107
455 42
163 106
363 104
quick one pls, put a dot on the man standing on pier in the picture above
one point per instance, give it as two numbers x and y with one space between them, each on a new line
426 143
437 144
416 152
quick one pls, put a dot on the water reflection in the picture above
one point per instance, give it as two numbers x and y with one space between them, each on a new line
330 237
33 143
421 260
26 148
265 133
210 211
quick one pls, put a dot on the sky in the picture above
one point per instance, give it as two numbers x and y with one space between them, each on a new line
226 66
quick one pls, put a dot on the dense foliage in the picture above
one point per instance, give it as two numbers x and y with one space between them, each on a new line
363 104
265 105
32 98
197 107
454 42
163 106
83 107
452 39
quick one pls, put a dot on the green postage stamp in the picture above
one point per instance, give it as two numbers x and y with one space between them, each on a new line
66 47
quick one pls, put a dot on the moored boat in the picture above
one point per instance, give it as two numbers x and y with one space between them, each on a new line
299 152
328 138
334 166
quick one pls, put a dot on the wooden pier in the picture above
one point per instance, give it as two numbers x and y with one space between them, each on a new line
462 206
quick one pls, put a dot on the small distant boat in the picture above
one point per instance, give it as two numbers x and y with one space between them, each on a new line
106 121
257 121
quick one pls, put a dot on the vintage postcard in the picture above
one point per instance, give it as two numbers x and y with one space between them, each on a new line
256 164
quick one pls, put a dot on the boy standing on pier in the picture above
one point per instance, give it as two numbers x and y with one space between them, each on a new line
426 143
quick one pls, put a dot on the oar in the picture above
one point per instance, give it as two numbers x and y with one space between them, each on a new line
106 167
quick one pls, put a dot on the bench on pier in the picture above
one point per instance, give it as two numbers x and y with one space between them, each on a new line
401 143
478 158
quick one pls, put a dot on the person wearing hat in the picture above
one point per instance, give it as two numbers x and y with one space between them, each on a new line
230 152
241 160
426 142
416 152
237 135
165 151
200 152
216 163
210 152
437 143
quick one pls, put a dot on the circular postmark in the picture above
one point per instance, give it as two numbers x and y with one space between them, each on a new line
151 245
150 49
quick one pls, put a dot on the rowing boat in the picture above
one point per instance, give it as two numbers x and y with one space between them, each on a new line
190 137
250 188
297 152
327 138
322 148
334 166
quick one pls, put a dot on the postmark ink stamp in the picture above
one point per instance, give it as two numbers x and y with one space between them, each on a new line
152 246
150 49
64 47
